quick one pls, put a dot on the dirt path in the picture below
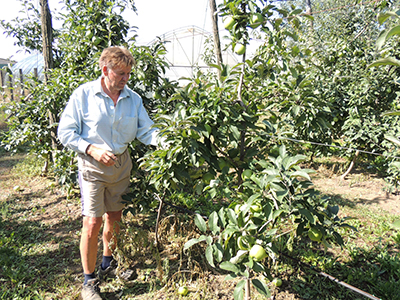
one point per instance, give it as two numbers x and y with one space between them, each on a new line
359 188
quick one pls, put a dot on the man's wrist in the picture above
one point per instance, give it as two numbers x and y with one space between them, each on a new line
88 148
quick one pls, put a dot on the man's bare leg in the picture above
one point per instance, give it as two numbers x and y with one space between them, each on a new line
89 239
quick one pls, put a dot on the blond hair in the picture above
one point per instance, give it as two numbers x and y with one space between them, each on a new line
116 56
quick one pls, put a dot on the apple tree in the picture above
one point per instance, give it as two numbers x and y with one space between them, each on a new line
224 144
387 46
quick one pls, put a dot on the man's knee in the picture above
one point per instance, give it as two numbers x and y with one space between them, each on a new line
113 216
92 225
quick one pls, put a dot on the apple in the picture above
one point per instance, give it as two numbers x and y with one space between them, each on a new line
229 22
183 290
257 252
240 49
256 207
314 234
141 75
277 281
256 20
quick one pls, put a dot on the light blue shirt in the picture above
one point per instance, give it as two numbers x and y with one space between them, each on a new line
90 117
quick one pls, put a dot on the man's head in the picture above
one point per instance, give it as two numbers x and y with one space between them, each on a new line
116 64
116 57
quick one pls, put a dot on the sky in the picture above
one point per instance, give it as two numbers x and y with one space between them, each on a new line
153 18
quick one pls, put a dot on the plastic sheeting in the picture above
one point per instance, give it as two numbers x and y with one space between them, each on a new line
27 65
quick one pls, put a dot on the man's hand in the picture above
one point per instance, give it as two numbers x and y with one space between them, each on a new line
105 157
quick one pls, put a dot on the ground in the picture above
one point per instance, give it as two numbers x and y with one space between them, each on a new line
361 188
48 204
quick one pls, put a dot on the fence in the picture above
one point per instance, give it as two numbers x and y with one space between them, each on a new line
12 85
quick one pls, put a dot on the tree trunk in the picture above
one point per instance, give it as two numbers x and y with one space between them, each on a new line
353 162
217 43
247 289
47 50
47 36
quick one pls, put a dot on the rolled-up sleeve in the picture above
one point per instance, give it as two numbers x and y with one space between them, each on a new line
145 132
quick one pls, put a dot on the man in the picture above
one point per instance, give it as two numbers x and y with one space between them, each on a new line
101 118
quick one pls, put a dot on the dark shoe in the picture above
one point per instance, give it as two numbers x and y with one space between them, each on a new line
111 272
91 290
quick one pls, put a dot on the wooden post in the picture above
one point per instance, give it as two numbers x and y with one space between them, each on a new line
2 78
21 80
309 12
11 86
47 50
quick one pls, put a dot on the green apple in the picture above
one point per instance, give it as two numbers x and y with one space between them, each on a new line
239 49
256 20
314 234
183 290
256 207
141 75
257 252
277 282
229 22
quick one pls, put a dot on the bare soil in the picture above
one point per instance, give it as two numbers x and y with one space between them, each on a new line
360 188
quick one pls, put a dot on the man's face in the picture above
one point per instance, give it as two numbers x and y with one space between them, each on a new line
117 77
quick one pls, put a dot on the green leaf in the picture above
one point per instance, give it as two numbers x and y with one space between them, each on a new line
385 61
391 113
213 223
261 287
235 131
392 139
221 215
382 17
381 40
200 223
396 224
232 216
393 31
218 252
228 266
192 242
300 174
240 255
209 256
238 293
307 214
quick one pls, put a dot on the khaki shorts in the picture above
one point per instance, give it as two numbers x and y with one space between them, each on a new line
102 187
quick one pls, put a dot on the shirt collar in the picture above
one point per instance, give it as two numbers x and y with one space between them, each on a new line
99 89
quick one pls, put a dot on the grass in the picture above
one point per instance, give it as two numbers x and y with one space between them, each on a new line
39 250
